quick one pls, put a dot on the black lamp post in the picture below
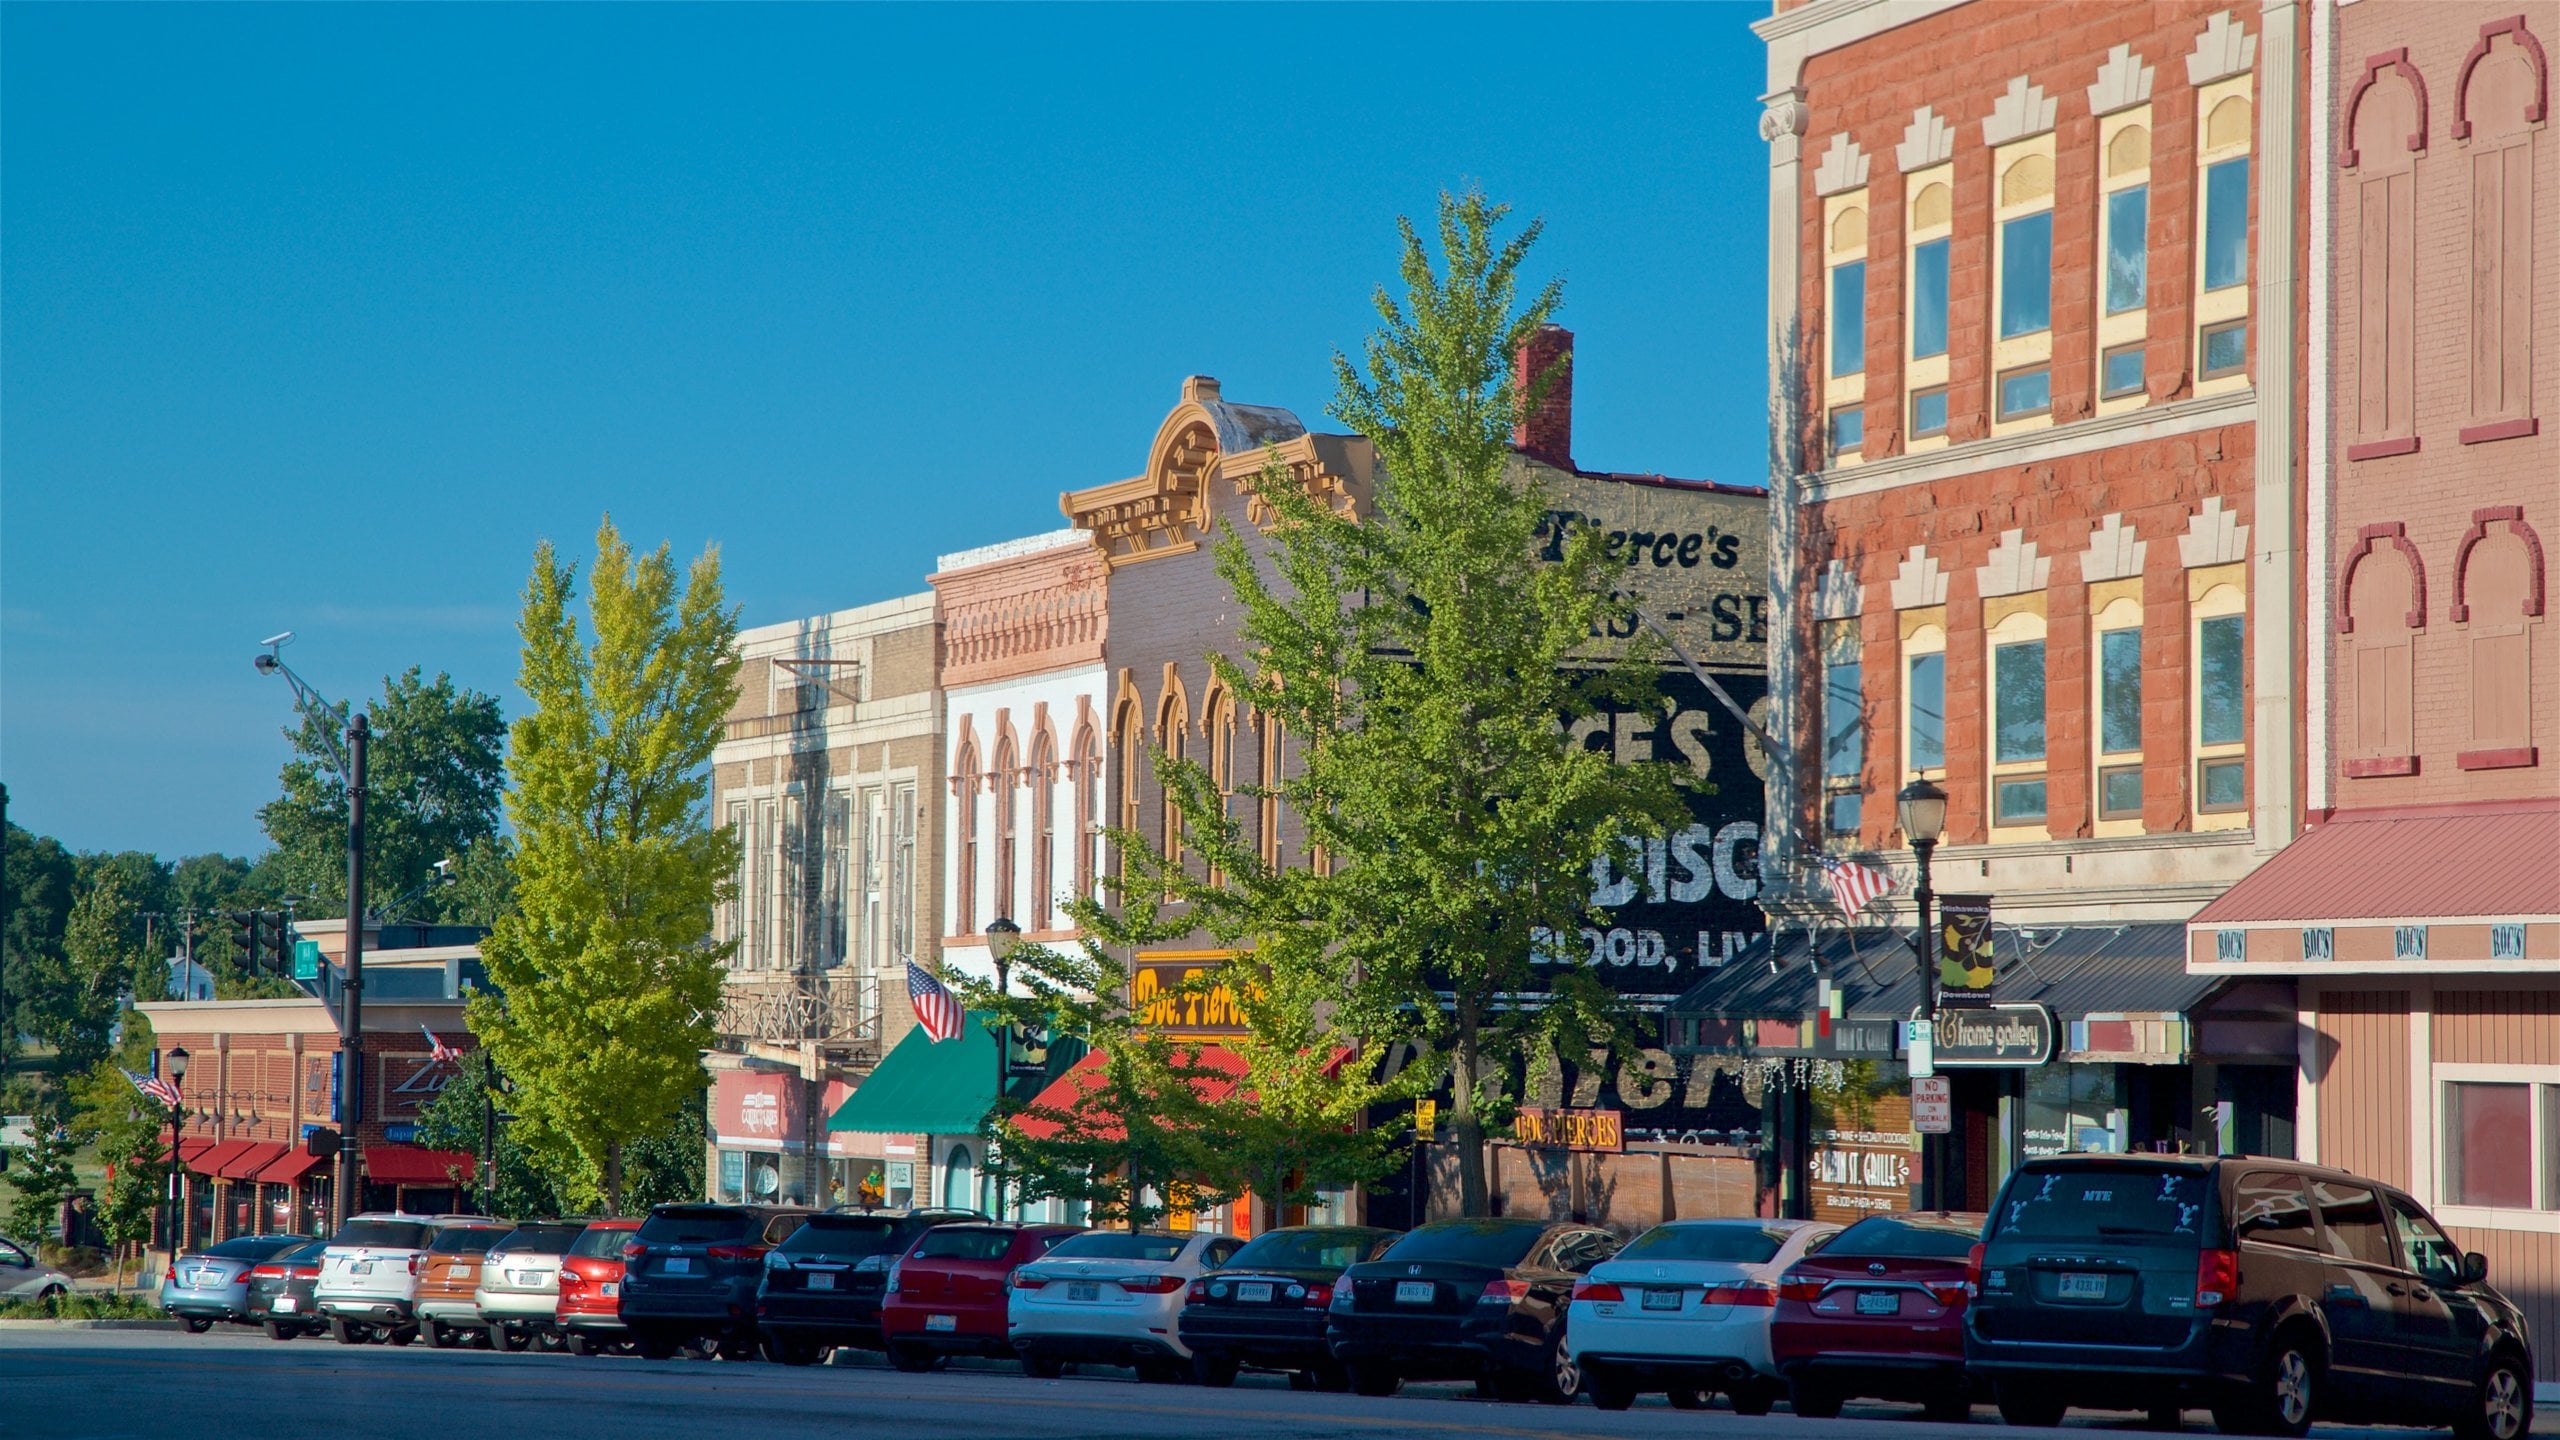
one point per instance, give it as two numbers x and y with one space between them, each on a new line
1003 937
175 1062
1923 812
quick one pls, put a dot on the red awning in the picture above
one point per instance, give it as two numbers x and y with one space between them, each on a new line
2428 863
413 1165
252 1157
290 1167
210 1160
1072 1091
190 1151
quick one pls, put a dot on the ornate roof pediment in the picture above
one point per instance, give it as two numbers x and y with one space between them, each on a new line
1166 510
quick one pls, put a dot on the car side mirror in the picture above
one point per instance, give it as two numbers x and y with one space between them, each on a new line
2475 1267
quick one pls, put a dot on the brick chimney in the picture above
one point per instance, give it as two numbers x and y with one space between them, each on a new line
1547 433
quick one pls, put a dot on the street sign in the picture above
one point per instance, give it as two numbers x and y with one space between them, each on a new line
1426 1117
306 959
1920 1047
1933 1109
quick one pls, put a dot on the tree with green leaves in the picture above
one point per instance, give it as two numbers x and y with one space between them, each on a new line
434 772
131 1133
607 975
452 1121
76 993
41 1173
1428 664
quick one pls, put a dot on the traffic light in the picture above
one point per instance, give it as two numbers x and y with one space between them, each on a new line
244 933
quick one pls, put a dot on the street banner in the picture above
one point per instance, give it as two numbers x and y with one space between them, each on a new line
1964 950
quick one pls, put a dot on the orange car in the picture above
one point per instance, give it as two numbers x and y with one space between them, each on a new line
447 1315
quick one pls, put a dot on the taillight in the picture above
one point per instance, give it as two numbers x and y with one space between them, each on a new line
571 1279
265 1272
1598 1290
2217 1276
1503 1292
1151 1284
1320 1296
734 1252
1973 1269
306 1272
1021 1281
1198 1292
633 1250
1949 1293
1797 1287
892 1286
1762 1296
414 1262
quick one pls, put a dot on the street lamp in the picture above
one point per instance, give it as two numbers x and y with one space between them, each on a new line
1003 938
175 1062
1923 811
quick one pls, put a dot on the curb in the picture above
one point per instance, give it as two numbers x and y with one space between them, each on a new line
92 1325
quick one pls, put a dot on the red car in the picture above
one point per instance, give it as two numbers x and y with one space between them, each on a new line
590 1313
1879 1313
948 1294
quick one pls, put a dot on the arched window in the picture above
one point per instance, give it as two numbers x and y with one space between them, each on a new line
2017 730
2384 610
2378 232
1003 781
1173 723
1266 736
1221 726
964 840
1127 745
2503 97
1044 829
1088 782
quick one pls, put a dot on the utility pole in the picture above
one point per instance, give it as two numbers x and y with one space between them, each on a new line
351 993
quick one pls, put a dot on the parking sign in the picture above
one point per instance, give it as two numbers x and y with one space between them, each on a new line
1933 1107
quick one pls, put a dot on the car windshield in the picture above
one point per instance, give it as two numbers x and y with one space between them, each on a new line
1886 1237
2105 1202
1119 1245
252 1247
1733 1244
958 1242
698 1225
1304 1250
1474 1242
539 1240
382 1234
465 1239
601 1240
844 1237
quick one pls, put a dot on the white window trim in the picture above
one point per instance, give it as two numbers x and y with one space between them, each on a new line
2216 307
2123 612
1923 372
2019 351
2130 327
2017 628
2219 592
1840 390
2483 1217
1842 645
1924 633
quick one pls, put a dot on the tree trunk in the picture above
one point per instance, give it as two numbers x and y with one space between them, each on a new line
1467 1125
613 1178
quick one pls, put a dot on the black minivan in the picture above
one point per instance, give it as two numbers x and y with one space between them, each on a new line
689 1276
2271 1292
822 1286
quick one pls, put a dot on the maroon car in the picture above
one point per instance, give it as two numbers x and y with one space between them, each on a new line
947 1295
1879 1313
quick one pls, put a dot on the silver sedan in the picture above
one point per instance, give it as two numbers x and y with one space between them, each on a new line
212 1284
24 1277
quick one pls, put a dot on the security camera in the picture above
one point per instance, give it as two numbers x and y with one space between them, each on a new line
266 664
279 638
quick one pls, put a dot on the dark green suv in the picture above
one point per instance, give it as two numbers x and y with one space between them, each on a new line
2269 1291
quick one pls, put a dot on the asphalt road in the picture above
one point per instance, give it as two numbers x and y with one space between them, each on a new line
107 1385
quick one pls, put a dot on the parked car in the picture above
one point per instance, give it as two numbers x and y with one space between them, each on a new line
1458 1299
280 1289
447 1315
368 1285
689 1276
2271 1292
24 1277
1685 1310
205 1287
1110 1297
1265 1307
519 1294
590 1310
1880 1312
822 1287
946 1294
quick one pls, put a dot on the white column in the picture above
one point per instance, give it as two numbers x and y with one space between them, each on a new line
1782 123
2276 566
2318 398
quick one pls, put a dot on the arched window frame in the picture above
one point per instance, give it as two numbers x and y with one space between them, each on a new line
2124 200
1004 782
1928 226
2021 358
2017 747
2115 767
1043 778
964 839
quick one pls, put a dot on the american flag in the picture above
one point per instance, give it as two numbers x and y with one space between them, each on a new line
152 1085
438 1050
1853 885
937 1010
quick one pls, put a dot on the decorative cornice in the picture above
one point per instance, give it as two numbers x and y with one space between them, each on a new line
2152 422
2021 111
2514 28
1843 167
2398 62
2214 536
2225 48
1928 140
2013 567
2512 516
2115 552
1837 595
2123 82
2394 532
1918 583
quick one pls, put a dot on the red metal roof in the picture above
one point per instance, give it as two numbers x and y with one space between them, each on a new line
2488 860
288 1168
413 1165
1072 1092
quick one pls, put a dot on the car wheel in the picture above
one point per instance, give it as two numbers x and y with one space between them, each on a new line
795 1352
1755 1398
1038 1364
504 1341
196 1324
344 1333
1219 1371
1609 1390
278 1330
579 1344
2164 1415
654 1347
1302 1380
402 1335
2502 1406
1814 1401
1331 1378
2286 1392
438 1337
1564 1378
1687 1397
1162 1372
740 1348
912 1359
51 1292
1374 1377
2022 1404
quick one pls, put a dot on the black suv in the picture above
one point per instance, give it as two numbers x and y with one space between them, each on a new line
689 1276
2270 1291
1460 1299
822 1286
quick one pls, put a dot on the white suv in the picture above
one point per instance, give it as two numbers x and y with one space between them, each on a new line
368 1286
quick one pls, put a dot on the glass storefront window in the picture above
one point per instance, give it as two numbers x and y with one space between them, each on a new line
2068 1108
2488 1154
733 1176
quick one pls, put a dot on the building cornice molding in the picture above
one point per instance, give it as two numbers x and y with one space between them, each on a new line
2238 407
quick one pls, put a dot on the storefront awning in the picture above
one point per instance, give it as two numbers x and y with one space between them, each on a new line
1072 1091
251 1157
415 1165
212 1160
290 1167
190 1151
925 1087
1759 1001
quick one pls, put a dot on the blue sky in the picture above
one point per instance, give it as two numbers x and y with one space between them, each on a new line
318 318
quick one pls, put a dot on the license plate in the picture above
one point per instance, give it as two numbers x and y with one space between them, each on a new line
942 1322
1254 1292
1879 1302
1084 1290
1662 1299
206 1279
287 1304
2081 1287
677 1265
361 1267
461 1272
821 1280
612 1288
1413 1292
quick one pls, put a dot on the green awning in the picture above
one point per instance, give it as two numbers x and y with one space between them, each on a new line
927 1088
